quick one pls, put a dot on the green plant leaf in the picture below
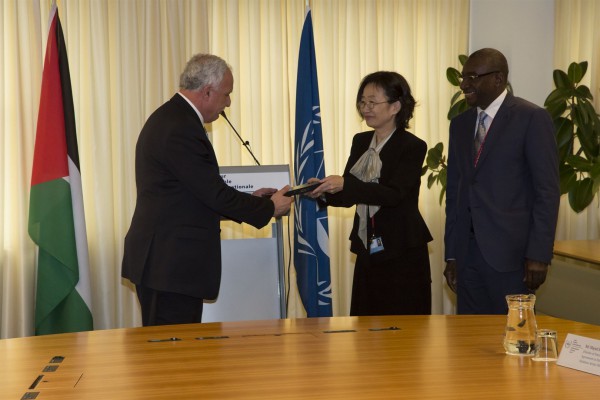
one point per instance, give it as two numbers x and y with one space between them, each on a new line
431 180
579 163
575 72
442 193
434 156
557 96
568 178
592 125
580 115
462 58
456 97
564 132
587 139
584 66
581 195
561 80
556 109
424 170
458 107
443 177
583 92
595 171
453 76
563 153
433 161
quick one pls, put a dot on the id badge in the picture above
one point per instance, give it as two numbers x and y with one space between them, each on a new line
376 245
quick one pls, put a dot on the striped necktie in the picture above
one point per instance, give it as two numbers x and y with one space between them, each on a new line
480 135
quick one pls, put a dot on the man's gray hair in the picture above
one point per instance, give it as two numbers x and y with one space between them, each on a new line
203 70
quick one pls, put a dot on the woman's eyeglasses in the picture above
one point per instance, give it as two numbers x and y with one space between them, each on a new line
370 104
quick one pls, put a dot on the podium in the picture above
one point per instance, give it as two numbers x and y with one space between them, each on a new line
253 276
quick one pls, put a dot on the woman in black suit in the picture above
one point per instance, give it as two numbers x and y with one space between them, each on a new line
382 178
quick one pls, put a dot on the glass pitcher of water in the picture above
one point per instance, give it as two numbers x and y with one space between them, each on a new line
519 336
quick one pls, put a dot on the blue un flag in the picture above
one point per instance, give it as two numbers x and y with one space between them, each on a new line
311 231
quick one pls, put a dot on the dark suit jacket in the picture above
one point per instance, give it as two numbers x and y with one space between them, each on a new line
173 243
511 198
398 221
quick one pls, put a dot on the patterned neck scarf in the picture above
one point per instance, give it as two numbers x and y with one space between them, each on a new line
368 169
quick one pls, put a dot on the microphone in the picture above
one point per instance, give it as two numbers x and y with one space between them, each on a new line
244 142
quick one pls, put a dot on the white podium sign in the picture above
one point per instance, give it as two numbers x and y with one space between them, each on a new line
249 179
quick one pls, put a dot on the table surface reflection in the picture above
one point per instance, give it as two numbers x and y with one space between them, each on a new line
426 357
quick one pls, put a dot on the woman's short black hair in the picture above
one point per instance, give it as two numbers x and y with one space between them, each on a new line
396 88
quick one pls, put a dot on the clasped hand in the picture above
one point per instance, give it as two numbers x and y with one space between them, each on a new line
282 203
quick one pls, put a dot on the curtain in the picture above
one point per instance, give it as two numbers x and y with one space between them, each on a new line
576 39
125 58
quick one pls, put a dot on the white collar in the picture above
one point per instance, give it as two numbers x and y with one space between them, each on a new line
193 106
493 108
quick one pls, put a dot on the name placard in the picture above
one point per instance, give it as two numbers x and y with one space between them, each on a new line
248 179
581 353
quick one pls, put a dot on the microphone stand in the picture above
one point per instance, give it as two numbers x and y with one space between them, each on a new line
244 142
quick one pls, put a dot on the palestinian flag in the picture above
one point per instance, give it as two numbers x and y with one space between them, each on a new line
56 219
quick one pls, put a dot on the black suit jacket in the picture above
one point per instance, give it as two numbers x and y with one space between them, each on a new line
173 243
511 197
398 221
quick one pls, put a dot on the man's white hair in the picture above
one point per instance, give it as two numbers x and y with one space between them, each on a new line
203 70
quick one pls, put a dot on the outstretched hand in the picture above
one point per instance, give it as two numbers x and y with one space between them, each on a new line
282 203
331 185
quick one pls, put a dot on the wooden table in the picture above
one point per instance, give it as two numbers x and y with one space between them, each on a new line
428 357
582 250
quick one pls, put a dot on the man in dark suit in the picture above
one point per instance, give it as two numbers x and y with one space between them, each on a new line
503 191
172 250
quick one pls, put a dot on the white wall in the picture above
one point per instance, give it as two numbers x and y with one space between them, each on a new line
523 30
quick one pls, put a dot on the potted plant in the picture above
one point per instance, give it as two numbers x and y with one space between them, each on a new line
577 135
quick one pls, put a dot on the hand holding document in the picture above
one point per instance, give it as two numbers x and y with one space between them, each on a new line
281 201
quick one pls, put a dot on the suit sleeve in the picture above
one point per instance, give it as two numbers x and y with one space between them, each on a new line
191 158
542 158
451 199
404 174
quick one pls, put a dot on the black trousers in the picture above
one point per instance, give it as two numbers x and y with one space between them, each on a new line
167 308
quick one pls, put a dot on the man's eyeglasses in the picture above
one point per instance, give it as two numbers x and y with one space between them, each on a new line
370 104
474 77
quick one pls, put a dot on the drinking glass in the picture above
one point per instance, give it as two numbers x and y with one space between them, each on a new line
545 346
